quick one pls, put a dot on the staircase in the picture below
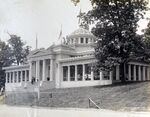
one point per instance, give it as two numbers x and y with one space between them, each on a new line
28 87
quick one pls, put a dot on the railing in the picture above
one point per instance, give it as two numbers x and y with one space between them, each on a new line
91 101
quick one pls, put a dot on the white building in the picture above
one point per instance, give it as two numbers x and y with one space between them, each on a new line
67 65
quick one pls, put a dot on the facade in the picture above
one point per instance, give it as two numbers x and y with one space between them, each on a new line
67 65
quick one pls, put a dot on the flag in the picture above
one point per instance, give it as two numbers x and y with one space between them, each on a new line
60 34
79 21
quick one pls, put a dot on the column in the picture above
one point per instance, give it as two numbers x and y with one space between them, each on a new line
143 73
6 78
139 69
84 40
58 75
83 66
68 73
37 70
21 76
92 73
117 73
25 75
129 72
110 75
75 72
101 75
44 65
11 74
9 77
51 69
148 73
30 71
134 75
14 77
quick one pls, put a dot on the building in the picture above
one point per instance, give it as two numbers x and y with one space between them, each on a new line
67 65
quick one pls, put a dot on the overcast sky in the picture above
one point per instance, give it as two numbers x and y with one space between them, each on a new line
44 17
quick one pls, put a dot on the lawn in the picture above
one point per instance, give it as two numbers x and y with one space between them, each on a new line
133 96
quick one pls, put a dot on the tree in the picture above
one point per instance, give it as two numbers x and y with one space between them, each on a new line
19 51
115 27
5 60
147 35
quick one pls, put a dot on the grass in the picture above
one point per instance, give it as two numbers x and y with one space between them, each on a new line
124 97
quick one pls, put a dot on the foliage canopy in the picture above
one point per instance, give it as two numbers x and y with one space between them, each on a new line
115 27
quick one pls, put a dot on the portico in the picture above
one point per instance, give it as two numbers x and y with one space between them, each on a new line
42 70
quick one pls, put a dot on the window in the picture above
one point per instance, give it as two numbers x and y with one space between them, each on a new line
65 73
114 73
87 72
81 40
11 77
132 70
86 41
19 76
146 73
23 73
96 75
106 75
15 76
72 73
8 77
79 72
27 75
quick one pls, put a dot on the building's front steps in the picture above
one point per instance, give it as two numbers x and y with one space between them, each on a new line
29 87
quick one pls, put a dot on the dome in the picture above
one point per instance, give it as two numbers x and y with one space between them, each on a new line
81 36
81 32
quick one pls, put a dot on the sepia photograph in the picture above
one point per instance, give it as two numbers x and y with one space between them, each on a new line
75 58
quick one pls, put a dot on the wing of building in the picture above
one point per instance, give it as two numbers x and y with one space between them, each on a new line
66 65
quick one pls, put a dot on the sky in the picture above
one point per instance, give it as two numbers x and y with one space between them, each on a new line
28 18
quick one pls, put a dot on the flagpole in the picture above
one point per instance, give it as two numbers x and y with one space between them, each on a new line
36 42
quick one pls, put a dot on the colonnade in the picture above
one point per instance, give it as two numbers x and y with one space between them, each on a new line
41 76
134 72
85 74
138 72
17 76
44 71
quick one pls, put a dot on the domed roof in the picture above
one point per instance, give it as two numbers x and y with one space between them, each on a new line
81 31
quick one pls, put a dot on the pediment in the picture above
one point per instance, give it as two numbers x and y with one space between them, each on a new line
37 52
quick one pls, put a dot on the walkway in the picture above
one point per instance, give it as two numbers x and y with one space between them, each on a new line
11 111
